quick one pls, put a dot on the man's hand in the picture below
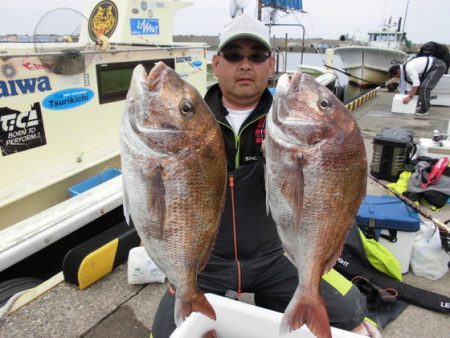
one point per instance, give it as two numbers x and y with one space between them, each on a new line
210 334
406 99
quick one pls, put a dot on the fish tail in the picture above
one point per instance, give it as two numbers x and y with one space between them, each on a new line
187 304
307 310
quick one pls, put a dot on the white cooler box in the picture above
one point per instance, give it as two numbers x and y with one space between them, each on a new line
399 107
236 319
392 223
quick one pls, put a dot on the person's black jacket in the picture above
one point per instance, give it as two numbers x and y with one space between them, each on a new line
253 232
437 50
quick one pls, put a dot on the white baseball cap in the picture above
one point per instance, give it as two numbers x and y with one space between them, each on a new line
244 27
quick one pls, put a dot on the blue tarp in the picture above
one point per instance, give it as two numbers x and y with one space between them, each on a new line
284 4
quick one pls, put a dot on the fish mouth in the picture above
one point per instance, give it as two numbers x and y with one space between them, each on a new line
140 137
154 78
155 130
283 125
285 83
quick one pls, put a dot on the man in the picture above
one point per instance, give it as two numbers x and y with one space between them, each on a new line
248 255
420 75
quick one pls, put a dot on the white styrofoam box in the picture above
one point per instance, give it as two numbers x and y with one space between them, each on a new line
402 248
399 107
427 147
236 319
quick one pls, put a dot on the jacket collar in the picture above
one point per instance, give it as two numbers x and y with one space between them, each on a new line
213 98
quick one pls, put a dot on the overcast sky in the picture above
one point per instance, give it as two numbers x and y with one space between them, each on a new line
426 19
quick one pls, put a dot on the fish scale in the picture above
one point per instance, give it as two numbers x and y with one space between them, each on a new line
315 181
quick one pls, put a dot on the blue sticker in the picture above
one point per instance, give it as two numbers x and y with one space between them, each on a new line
144 26
197 63
68 98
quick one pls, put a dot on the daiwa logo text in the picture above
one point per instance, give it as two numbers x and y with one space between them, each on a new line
180 59
144 26
24 86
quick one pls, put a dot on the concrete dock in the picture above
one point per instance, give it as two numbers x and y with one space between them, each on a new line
113 308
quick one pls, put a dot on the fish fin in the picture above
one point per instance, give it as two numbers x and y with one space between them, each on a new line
292 186
156 202
305 309
189 303
125 202
267 186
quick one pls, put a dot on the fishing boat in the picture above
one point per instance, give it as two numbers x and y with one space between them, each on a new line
369 65
63 95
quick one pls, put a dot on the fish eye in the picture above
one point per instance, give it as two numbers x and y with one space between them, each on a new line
186 108
324 104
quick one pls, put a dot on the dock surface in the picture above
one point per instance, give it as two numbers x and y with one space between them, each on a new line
113 308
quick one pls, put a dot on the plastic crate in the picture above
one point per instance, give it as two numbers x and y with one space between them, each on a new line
93 181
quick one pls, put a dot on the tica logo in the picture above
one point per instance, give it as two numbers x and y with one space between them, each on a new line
22 120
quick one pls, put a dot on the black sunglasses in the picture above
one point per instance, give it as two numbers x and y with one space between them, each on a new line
238 57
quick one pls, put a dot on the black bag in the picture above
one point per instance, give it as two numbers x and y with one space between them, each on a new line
437 50
393 148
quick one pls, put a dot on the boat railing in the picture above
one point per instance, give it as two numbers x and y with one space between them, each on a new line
76 50
303 37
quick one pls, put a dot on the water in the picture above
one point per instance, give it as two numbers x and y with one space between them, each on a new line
293 60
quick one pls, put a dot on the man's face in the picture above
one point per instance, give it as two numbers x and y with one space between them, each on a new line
243 68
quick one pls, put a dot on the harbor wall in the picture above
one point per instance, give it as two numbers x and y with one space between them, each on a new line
293 45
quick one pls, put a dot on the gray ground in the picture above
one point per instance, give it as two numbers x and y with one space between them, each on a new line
113 308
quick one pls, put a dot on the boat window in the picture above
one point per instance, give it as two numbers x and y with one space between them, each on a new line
113 79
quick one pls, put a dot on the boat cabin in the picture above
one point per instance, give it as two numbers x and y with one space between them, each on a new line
387 39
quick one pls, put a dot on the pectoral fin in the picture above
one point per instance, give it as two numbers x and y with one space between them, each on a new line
292 186
125 202
156 198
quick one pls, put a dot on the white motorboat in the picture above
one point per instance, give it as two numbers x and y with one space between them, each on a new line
369 65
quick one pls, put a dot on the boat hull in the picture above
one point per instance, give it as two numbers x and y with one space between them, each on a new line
369 66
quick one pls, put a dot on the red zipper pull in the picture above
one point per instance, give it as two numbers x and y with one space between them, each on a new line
231 180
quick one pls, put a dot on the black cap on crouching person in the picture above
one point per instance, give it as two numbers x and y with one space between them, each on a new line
244 27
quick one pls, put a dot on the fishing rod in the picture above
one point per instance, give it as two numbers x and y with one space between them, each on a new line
348 74
413 205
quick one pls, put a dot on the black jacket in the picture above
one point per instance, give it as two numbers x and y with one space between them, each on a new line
253 232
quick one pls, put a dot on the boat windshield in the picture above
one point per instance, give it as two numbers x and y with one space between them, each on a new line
383 37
